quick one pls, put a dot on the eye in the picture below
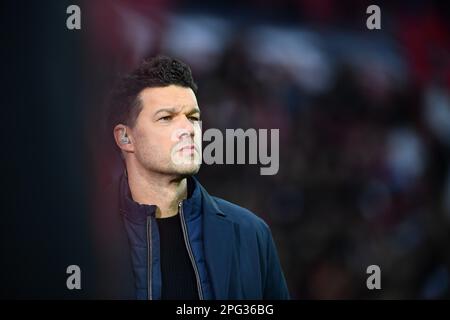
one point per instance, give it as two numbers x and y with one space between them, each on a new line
166 118
194 118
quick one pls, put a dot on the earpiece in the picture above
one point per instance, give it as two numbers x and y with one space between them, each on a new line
124 139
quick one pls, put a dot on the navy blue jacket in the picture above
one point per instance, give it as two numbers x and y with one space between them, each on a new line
234 252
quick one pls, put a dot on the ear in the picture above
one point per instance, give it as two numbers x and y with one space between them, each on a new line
123 138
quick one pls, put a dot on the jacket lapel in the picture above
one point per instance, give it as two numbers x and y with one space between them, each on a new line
218 240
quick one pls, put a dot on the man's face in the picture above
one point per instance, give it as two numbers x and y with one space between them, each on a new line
167 133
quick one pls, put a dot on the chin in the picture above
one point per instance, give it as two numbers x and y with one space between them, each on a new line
187 170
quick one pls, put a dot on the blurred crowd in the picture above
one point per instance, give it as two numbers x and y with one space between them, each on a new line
364 119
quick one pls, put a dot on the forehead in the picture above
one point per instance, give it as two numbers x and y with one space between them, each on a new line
170 96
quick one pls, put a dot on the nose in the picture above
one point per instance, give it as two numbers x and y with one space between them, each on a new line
186 129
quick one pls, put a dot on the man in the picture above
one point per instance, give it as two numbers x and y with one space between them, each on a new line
166 237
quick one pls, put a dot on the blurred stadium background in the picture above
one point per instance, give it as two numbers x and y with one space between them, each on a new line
364 119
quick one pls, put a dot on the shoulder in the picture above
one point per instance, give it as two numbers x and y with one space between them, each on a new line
243 217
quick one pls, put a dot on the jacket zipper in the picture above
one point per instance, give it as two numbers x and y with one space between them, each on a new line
149 259
189 249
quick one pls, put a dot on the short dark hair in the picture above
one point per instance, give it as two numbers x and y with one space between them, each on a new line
159 71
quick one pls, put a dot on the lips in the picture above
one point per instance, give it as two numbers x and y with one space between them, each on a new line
187 147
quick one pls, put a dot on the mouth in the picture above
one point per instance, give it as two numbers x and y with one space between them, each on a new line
189 147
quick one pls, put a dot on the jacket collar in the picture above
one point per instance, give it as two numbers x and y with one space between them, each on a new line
138 213
132 210
192 205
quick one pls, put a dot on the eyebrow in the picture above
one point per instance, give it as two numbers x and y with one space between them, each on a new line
174 110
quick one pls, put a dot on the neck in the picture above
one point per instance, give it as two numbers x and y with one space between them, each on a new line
158 189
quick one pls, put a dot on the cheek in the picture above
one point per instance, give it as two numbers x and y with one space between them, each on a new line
144 139
198 136
155 141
